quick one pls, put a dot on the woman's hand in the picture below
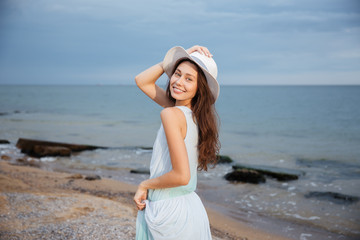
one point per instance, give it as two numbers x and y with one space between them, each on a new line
140 197
200 49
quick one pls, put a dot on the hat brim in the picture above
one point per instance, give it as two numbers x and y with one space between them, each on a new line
175 54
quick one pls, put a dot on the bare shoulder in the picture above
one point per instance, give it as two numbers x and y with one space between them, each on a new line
173 116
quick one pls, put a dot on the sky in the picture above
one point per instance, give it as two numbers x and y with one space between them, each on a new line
254 42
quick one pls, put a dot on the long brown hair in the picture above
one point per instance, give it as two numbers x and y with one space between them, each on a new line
206 117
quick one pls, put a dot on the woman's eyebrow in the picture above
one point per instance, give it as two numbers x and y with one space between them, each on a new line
189 74
178 70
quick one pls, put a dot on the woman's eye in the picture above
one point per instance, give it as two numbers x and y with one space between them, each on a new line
177 74
189 79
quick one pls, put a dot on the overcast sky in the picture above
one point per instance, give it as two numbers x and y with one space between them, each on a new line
110 41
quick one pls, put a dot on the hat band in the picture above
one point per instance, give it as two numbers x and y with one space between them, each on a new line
198 61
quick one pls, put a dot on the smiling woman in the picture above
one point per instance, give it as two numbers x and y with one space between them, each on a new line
183 82
187 141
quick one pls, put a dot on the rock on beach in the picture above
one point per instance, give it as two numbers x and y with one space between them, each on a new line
47 151
5 157
280 174
39 148
256 174
223 159
26 161
245 175
92 177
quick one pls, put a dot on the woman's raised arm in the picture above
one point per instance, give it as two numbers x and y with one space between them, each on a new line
146 81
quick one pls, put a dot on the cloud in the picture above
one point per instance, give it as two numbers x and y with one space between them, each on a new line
88 39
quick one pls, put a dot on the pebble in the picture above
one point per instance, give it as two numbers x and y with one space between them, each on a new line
5 157
75 176
92 177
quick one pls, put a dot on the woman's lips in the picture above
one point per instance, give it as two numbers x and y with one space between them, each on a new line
177 90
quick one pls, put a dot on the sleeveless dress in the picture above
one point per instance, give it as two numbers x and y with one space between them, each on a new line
174 213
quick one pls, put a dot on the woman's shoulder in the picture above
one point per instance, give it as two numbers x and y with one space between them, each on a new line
171 112
172 115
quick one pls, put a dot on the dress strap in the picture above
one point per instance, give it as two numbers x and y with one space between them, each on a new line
184 109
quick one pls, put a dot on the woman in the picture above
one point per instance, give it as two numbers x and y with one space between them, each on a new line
186 142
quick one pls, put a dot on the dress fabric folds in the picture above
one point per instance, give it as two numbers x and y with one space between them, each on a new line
174 213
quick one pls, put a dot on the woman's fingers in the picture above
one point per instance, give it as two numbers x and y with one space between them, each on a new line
206 52
200 49
140 197
192 49
141 207
140 204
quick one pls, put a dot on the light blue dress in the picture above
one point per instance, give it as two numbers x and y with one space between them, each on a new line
174 213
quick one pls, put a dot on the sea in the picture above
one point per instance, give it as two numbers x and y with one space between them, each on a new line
313 129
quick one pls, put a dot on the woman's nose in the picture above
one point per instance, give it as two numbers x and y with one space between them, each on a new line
180 80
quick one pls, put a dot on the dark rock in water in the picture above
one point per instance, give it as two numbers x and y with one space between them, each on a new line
337 198
3 141
3 113
27 146
280 174
245 175
140 171
42 151
223 159
5 157
146 148
92 177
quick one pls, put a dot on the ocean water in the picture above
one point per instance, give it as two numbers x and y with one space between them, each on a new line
315 129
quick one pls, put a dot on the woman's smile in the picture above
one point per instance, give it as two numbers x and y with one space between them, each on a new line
177 90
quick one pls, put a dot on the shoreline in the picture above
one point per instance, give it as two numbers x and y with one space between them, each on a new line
48 188
213 193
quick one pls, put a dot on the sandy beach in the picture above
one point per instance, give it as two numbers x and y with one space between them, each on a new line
40 204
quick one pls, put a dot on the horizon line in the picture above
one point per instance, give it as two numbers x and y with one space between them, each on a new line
128 84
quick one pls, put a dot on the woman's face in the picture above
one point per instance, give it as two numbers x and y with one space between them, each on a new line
183 83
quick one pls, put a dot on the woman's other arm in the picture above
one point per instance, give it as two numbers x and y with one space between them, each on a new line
174 123
146 82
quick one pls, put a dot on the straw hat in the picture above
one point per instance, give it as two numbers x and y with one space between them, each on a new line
207 65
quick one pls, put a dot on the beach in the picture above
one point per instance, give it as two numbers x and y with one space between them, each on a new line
39 204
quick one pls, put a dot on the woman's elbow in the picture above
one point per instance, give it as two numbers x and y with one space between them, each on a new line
137 81
184 180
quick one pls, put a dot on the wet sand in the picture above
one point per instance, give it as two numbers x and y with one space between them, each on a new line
39 204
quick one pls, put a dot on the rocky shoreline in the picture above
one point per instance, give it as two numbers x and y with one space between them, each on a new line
244 173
